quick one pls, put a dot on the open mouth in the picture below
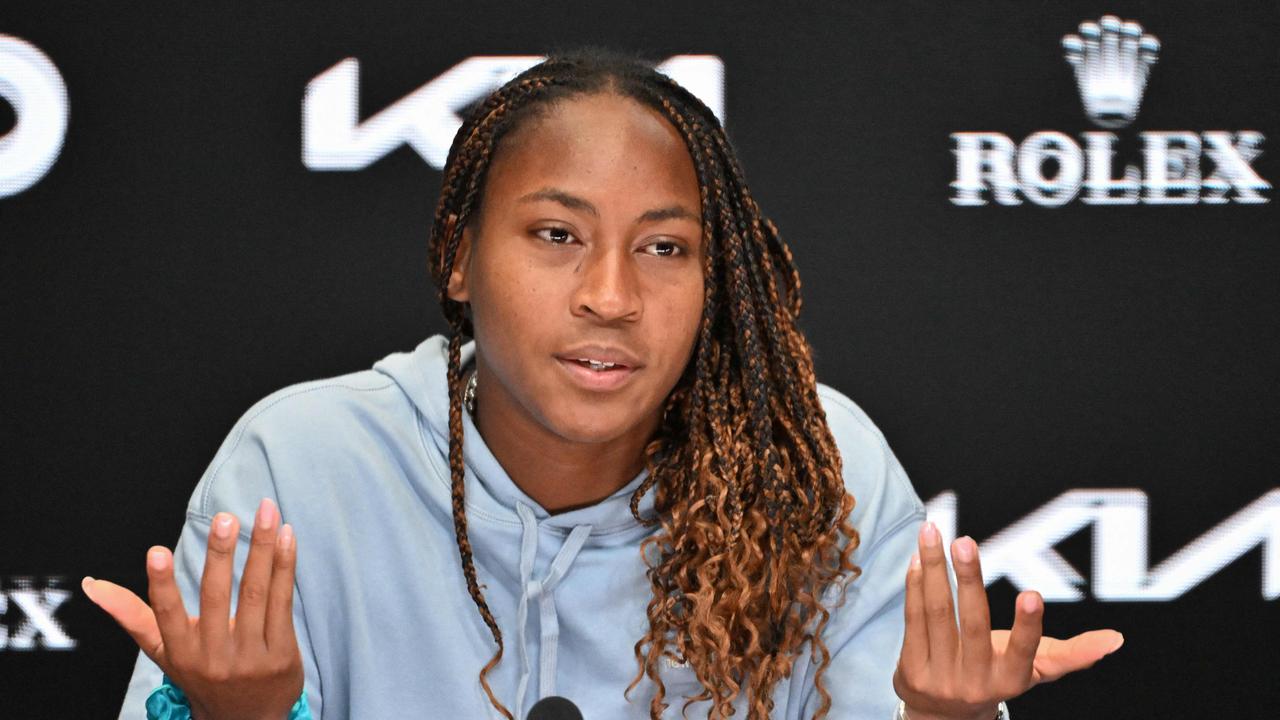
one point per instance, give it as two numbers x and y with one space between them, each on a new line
597 375
599 365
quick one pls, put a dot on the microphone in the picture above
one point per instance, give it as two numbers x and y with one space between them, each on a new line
554 707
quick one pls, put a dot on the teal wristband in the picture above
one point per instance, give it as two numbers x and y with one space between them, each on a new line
168 702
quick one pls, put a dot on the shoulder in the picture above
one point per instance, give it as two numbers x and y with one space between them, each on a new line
305 405
313 411
298 430
883 495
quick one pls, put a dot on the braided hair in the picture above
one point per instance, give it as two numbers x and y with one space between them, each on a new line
750 506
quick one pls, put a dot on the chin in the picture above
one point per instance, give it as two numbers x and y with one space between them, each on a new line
597 424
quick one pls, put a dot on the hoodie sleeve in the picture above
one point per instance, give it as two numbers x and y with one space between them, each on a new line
237 479
864 633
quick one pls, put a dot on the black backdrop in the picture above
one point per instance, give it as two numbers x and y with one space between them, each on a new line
179 261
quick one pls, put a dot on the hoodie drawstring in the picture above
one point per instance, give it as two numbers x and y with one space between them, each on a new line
544 592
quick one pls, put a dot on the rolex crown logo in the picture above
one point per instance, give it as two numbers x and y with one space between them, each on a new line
1111 60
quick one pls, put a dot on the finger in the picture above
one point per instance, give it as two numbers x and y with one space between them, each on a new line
166 601
915 642
132 614
1024 640
1056 658
255 582
215 584
279 628
939 609
975 612
999 641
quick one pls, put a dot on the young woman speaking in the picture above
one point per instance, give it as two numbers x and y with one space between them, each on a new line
628 490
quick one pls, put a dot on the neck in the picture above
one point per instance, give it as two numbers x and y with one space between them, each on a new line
558 473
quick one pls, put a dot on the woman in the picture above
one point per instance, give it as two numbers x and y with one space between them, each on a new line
628 490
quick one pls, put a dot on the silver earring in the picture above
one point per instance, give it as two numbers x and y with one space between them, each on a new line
469 395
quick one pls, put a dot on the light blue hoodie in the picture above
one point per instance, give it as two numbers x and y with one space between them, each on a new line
358 464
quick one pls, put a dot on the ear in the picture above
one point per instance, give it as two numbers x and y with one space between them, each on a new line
457 288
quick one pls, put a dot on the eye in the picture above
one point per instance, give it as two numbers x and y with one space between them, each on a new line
555 235
663 248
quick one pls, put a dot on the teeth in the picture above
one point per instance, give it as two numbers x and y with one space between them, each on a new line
596 365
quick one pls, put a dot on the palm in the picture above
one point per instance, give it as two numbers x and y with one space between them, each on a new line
243 665
953 666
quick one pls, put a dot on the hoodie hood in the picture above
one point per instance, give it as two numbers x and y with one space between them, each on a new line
385 622
422 376
491 494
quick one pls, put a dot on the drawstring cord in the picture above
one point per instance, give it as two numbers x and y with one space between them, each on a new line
543 591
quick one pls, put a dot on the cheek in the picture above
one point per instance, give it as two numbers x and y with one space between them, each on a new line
506 301
680 316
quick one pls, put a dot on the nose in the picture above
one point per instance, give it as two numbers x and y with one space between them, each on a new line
607 289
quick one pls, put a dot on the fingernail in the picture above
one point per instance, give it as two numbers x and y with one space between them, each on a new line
286 536
930 534
157 560
1117 645
265 516
915 561
1030 603
963 549
222 526
86 584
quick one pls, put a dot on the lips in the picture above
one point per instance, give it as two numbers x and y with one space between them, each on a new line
602 357
599 368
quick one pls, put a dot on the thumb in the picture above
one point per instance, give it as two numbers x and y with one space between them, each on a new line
132 614
1055 658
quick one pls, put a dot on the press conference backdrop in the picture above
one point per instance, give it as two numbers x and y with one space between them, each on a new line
1039 246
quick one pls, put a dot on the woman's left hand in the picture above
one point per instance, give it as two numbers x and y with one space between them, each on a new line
950 673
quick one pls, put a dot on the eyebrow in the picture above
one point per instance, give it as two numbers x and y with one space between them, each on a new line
573 202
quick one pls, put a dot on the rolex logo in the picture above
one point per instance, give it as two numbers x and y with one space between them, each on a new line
1112 60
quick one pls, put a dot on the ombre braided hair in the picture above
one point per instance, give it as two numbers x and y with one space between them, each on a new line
750 500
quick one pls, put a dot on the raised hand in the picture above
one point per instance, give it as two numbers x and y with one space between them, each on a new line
248 666
950 673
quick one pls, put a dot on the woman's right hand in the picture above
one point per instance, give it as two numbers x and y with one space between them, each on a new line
248 666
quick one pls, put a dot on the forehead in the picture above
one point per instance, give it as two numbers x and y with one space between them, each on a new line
611 148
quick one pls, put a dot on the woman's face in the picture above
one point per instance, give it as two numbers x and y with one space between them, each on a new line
585 275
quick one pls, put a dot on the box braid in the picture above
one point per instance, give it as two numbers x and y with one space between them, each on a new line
753 516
